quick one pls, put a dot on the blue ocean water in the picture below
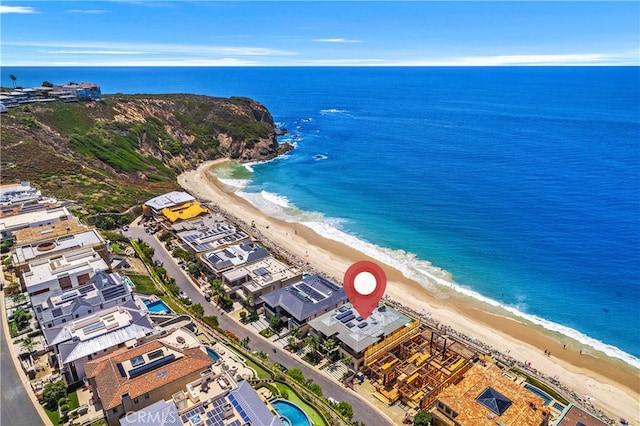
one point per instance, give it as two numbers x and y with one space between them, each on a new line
522 183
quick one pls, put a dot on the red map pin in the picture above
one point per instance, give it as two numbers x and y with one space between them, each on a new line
364 284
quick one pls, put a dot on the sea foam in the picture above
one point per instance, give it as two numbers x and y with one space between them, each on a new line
430 277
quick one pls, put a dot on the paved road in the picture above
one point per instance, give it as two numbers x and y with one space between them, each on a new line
16 408
362 410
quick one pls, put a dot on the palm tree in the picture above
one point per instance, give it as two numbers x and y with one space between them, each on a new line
28 344
295 331
312 342
13 79
329 345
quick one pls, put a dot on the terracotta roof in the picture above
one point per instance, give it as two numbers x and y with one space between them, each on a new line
524 408
111 385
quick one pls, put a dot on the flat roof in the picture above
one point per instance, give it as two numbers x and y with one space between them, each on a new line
357 333
67 264
169 199
24 220
63 227
49 247
262 273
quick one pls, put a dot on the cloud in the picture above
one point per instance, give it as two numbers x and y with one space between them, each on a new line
94 52
155 48
335 40
87 11
17 9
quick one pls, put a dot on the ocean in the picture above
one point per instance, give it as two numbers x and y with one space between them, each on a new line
520 184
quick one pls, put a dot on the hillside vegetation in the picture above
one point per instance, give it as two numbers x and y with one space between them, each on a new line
110 155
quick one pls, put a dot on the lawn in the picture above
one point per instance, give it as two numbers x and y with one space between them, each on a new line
73 404
292 396
144 285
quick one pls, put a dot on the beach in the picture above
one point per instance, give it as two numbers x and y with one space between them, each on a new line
609 384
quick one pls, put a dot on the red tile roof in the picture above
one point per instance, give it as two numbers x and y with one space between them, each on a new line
111 385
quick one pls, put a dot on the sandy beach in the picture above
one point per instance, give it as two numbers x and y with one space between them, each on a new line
611 385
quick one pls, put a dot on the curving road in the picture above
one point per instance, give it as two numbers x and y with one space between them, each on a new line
362 410
16 408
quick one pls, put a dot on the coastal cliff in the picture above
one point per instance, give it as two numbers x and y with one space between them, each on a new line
113 154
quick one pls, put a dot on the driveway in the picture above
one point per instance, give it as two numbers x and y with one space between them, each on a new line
362 410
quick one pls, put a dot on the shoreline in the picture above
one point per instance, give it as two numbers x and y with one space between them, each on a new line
609 384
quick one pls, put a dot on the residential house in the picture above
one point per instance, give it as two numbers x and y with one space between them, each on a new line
221 260
131 379
23 192
238 407
354 334
261 277
104 290
484 396
53 241
62 271
31 219
100 333
302 301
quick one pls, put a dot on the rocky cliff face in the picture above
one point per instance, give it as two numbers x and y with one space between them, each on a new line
126 147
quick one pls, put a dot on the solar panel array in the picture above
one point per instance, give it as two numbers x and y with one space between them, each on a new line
314 294
84 289
347 318
114 292
135 372
238 408
56 312
217 414
193 412
344 314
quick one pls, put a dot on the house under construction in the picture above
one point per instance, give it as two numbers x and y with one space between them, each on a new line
417 367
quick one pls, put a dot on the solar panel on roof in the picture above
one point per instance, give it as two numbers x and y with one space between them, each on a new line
114 292
135 372
121 370
347 318
350 324
85 289
359 318
344 314
315 295
155 354
56 312
343 308
362 324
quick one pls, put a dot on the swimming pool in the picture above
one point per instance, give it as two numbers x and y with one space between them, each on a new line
212 354
540 393
157 307
291 412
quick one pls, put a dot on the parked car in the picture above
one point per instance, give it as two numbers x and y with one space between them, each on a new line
125 228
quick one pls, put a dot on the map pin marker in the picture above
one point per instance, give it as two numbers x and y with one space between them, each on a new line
364 284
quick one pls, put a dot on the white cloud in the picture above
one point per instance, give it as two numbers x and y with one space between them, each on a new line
87 11
156 48
335 40
94 52
17 9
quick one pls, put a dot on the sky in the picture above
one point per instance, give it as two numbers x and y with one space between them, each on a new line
325 33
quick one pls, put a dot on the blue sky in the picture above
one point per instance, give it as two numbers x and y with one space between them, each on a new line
269 33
